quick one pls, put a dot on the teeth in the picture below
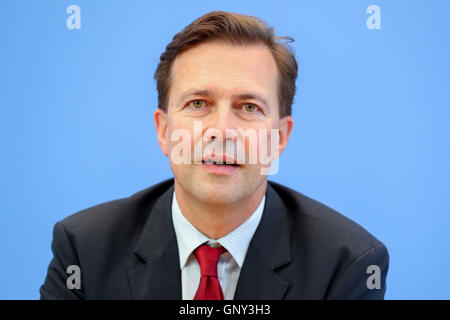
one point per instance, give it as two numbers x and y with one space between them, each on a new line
217 164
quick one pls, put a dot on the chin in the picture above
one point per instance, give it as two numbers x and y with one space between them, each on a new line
219 195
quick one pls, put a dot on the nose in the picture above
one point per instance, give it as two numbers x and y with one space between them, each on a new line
222 120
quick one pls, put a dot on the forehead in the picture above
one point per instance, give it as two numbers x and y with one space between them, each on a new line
225 68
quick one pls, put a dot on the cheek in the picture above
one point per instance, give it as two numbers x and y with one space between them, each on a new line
178 129
263 145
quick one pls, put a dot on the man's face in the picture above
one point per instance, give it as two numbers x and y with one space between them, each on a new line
221 86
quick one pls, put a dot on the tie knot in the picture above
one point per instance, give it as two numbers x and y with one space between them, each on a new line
207 258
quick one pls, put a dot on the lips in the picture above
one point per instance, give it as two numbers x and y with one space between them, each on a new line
219 163
221 160
222 166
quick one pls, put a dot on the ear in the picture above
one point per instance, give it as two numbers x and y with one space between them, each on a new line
160 117
285 129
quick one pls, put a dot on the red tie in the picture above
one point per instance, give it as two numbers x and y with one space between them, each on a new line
209 287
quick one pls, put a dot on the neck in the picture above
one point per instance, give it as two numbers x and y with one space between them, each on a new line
217 220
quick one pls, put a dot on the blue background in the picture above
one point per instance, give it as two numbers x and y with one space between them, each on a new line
370 139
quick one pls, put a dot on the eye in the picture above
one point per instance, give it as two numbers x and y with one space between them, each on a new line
196 104
249 107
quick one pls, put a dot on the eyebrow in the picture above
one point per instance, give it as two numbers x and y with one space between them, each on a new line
210 93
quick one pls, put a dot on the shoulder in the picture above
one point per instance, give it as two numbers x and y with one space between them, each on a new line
113 219
317 224
330 253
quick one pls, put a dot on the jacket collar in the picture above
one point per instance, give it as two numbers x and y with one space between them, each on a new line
158 276
269 250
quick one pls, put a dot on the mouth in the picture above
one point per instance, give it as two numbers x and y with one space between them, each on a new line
220 167
219 163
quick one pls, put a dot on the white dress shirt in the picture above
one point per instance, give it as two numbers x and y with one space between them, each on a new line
230 262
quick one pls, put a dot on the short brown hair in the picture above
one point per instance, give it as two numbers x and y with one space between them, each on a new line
236 29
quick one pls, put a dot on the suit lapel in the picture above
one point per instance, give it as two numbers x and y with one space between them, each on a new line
269 249
157 273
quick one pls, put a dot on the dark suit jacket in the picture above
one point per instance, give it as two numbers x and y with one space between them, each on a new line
127 249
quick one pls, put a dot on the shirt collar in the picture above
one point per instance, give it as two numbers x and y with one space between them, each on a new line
236 242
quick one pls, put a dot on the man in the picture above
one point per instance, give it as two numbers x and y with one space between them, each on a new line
219 229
